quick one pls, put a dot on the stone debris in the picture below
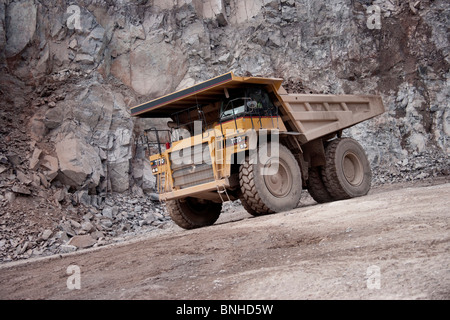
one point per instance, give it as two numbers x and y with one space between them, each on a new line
41 216
72 227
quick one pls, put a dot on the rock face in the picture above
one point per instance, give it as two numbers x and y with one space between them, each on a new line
73 70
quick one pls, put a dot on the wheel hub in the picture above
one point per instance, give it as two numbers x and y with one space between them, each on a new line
353 169
279 183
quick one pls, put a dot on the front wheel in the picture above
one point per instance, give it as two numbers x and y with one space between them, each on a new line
190 213
272 183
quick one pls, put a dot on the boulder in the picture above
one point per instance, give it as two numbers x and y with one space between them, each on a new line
78 162
82 241
121 141
43 180
20 26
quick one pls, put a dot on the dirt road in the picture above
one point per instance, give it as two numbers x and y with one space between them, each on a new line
392 244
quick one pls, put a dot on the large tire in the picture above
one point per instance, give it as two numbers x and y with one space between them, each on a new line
264 194
190 213
347 173
247 207
316 187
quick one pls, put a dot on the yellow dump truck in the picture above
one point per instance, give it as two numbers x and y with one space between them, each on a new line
246 138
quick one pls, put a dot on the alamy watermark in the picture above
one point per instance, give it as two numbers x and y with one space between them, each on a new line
374 18
260 146
74 20
373 274
74 280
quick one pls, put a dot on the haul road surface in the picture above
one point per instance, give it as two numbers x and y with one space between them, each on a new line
392 244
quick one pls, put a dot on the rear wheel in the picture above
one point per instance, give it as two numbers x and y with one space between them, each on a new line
190 213
347 173
316 187
271 185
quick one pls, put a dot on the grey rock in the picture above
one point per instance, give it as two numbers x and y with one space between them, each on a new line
53 117
145 64
119 176
107 212
158 215
88 216
21 190
46 234
62 236
84 58
21 26
10 196
82 241
78 162
107 223
82 197
23 178
14 159
67 248
60 195
87 226
154 196
75 224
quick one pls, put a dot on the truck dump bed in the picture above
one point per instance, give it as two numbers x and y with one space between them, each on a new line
311 115
316 115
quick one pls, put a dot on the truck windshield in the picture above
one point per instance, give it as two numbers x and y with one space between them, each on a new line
252 101
235 107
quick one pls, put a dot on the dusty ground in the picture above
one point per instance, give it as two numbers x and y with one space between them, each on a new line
392 244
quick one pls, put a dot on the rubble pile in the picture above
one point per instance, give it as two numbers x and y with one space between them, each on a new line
36 220
418 166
